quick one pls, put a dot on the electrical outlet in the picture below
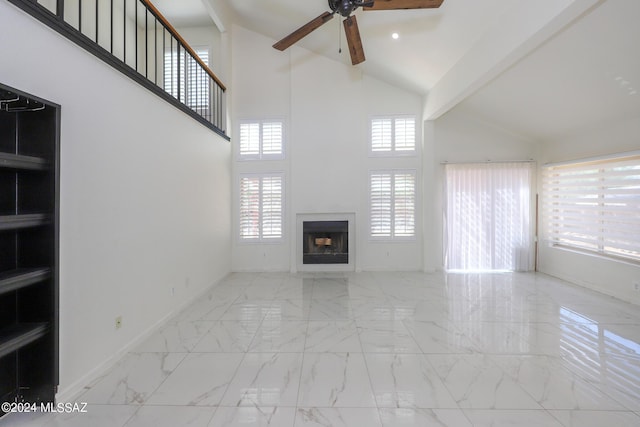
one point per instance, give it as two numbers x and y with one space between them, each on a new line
118 322
636 286
173 291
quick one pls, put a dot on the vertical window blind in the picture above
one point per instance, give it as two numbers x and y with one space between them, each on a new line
261 140
391 135
487 216
392 204
261 207
594 206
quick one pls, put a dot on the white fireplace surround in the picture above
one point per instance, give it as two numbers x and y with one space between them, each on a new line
338 216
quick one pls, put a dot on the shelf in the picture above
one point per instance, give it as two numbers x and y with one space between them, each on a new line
17 161
21 278
18 336
29 250
15 222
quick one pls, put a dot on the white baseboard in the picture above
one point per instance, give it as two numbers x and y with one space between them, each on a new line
73 391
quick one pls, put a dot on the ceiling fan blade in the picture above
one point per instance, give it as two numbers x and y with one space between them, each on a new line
353 40
303 31
403 4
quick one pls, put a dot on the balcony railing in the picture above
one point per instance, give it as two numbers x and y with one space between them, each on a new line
134 37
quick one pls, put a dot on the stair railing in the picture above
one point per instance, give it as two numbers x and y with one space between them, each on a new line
135 38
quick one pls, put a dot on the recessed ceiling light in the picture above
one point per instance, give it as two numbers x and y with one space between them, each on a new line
395 36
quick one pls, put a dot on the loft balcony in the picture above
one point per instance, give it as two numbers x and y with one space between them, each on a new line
134 37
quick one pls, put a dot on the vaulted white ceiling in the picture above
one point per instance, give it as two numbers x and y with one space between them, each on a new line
184 13
586 76
430 41
541 69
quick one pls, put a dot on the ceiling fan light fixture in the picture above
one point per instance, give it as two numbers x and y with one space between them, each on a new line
345 8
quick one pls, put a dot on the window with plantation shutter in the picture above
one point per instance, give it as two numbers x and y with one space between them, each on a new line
186 80
594 206
393 135
392 208
405 134
404 204
250 140
250 207
271 139
271 207
380 205
381 135
261 207
261 140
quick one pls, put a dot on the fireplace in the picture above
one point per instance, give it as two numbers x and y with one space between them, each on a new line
325 242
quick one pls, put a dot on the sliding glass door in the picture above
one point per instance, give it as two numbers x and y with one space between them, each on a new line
488 216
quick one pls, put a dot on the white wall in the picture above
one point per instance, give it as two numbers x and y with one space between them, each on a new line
457 137
210 37
326 106
144 197
261 89
614 278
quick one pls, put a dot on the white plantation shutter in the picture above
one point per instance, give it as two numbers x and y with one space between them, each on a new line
404 204
392 204
594 206
261 207
261 140
174 75
250 139
381 135
393 135
272 207
380 194
191 80
250 207
271 138
198 82
405 134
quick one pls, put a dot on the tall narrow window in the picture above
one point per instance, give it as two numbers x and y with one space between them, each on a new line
487 214
261 140
392 204
594 206
393 135
185 80
261 207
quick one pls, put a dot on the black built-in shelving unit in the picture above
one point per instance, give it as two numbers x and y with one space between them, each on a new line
29 206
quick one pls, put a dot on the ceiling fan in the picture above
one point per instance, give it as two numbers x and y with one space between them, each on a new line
345 8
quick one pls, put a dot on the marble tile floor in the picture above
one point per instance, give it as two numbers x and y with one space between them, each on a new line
378 349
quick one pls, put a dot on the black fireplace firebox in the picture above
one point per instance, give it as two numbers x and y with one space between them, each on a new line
325 242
